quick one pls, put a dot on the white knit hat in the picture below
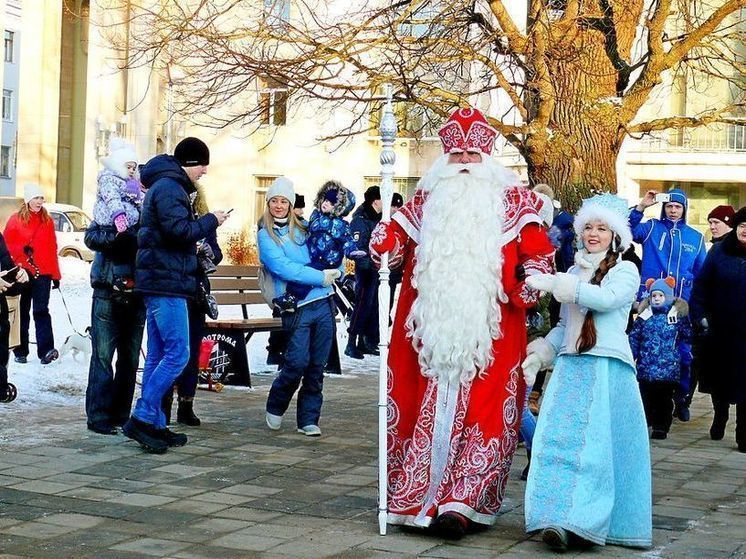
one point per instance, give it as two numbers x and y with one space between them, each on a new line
32 190
281 186
121 152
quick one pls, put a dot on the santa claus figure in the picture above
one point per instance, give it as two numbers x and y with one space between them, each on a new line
466 242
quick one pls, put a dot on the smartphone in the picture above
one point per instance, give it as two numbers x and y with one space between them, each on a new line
663 198
10 275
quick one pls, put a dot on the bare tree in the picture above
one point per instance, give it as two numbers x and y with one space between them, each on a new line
576 73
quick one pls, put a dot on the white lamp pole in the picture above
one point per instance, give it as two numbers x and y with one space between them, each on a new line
388 131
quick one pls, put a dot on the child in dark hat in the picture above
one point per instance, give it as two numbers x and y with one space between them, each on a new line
660 341
329 239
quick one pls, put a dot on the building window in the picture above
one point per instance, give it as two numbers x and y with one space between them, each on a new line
9 45
403 185
260 195
5 162
7 104
277 12
273 100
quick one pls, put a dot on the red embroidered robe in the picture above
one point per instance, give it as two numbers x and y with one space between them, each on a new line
450 445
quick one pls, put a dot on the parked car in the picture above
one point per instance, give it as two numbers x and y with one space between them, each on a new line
70 223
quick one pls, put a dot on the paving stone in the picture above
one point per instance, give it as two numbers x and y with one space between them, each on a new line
151 546
38 530
141 500
73 520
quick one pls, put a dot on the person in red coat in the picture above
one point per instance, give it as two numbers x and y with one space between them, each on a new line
32 243
466 241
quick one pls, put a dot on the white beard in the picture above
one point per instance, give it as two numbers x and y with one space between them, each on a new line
456 315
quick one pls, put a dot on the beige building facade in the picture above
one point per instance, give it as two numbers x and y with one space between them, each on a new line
74 97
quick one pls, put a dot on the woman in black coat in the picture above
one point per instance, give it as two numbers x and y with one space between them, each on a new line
718 305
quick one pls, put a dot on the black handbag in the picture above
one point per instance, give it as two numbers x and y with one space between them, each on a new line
207 302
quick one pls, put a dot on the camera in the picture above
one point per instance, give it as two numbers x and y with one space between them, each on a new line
663 198
205 257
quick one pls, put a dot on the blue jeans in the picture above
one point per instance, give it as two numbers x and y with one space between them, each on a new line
115 326
310 330
186 384
528 423
168 354
36 291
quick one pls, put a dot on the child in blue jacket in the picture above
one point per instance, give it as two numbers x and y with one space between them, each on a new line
660 341
329 239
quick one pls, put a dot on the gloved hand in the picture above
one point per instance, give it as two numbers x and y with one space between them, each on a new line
22 276
330 276
55 284
542 282
4 285
120 222
531 365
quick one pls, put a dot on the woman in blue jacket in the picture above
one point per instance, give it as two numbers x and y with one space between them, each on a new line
589 481
310 329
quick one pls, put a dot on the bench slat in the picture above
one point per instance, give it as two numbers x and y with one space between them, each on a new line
236 271
254 298
232 284
256 324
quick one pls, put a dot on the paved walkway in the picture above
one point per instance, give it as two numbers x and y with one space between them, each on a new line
238 490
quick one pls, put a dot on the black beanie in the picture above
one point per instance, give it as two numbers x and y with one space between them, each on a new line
191 152
300 202
372 194
739 217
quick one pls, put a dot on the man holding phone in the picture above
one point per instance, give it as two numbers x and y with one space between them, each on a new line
670 247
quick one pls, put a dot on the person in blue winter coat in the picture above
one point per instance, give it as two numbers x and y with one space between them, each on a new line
329 239
670 247
660 341
283 252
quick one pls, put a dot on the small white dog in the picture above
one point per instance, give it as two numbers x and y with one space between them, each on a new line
78 344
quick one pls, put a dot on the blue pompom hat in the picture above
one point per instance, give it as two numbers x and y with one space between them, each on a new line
611 210
664 286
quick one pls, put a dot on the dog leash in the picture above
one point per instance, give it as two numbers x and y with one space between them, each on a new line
67 311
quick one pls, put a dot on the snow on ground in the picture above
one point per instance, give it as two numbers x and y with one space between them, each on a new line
63 382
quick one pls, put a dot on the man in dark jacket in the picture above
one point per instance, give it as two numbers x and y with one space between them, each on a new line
166 275
117 321
364 321
11 276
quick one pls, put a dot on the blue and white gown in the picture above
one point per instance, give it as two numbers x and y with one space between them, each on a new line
590 468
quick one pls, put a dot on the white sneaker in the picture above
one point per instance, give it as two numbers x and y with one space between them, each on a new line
274 422
310 430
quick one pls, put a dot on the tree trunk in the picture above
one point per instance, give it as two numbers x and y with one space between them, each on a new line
576 150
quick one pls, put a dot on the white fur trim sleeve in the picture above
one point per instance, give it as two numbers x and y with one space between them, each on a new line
565 288
543 350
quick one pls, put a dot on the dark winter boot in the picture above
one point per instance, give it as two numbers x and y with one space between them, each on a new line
152 440
51 355
167 404
185 414
352 350
524 473
717 429
367 347
8 393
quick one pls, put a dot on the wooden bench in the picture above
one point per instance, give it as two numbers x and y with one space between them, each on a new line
239 286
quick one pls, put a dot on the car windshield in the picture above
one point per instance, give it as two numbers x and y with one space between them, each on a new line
79 220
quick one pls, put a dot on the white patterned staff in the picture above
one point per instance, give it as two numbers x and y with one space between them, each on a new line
388 131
